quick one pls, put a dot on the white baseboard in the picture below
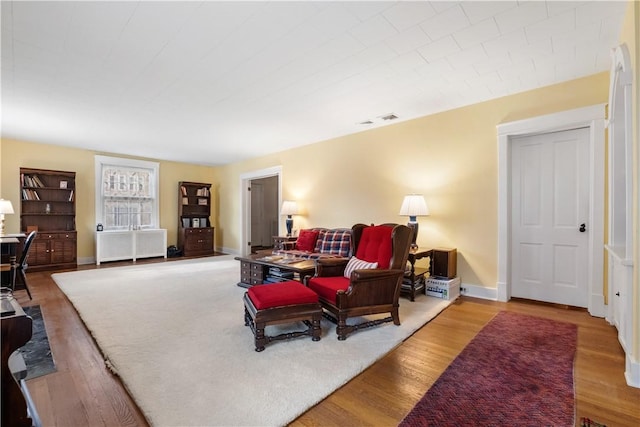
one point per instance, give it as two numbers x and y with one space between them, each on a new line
86 260
230 251
632 372
597 307
479 292
501 291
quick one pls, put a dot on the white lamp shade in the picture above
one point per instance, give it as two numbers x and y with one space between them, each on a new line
6 207
414 205
289 207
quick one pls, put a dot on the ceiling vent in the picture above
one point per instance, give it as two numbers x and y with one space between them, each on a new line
378 119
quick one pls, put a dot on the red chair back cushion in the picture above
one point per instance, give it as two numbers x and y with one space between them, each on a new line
307 240
375 245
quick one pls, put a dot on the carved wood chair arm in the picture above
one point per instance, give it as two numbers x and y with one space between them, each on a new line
326 267
371 287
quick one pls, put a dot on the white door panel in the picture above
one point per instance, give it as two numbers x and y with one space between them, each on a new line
550 198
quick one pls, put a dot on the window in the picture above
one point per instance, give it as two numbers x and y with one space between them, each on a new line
126 193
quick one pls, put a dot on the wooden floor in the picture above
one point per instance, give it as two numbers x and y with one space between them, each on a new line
83 392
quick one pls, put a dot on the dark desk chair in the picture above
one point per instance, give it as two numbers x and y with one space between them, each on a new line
17 272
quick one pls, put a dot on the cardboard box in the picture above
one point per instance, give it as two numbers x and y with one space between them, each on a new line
448 289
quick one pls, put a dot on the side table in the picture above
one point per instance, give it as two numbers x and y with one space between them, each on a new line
416 275
281 241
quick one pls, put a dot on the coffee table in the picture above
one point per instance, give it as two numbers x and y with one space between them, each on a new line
255 268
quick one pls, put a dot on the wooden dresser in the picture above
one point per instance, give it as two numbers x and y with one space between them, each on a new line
196 236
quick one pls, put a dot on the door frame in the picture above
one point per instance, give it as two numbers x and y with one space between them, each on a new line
592 117
245 202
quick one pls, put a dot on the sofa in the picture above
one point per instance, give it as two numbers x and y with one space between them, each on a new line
319 242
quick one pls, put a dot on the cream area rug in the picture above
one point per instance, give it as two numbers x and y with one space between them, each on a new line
174 332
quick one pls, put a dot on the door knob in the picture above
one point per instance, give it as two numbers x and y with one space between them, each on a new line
583 227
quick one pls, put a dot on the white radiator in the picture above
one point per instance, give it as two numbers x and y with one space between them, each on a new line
130 244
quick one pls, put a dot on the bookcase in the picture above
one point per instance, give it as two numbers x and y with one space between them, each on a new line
195 234
48 205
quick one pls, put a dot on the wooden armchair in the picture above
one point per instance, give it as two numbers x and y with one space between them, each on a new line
371 284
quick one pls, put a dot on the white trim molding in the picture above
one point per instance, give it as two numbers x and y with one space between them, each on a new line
153 167
477 291
245 202
620 246
592 117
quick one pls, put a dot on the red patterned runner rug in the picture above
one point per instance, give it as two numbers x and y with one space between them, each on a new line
518 371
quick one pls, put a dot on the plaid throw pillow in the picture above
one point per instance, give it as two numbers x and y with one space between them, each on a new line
336 242
320 239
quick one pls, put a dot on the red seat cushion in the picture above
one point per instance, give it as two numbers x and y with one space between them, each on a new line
307 240
281 294
375 245
327 287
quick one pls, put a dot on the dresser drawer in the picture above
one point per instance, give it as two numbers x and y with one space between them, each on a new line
257 273
43 235
245 272
199 231
251 274
196 241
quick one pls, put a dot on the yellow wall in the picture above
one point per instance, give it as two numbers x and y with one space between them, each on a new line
450 157
636 177
17 154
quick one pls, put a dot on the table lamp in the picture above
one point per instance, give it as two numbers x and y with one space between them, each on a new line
413 206
289 208
5 208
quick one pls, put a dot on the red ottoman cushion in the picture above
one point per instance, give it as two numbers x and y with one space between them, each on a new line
281 294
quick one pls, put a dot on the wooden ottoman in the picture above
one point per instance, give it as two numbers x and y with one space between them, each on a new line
284 302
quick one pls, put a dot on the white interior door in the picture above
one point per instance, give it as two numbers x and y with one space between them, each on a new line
550 202
246 179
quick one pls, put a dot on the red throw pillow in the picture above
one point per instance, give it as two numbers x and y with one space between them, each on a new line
306 240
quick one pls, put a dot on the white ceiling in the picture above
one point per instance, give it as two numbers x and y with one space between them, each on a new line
218 82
